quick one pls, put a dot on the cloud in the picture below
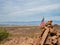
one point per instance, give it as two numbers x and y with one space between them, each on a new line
28 10
35 10
55 18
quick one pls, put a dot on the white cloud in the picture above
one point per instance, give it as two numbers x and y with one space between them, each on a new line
35 10
55 18
14 11
27 9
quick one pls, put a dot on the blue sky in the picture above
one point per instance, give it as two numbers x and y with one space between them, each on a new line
29 10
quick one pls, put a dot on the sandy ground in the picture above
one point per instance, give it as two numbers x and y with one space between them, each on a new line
23 35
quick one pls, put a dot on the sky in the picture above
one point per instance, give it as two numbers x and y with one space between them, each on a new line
29 10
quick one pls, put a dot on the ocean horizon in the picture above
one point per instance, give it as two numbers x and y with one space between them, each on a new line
26 23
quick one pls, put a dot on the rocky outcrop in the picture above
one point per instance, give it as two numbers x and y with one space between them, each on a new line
48 36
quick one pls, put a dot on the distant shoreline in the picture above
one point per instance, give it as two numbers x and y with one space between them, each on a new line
31 23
